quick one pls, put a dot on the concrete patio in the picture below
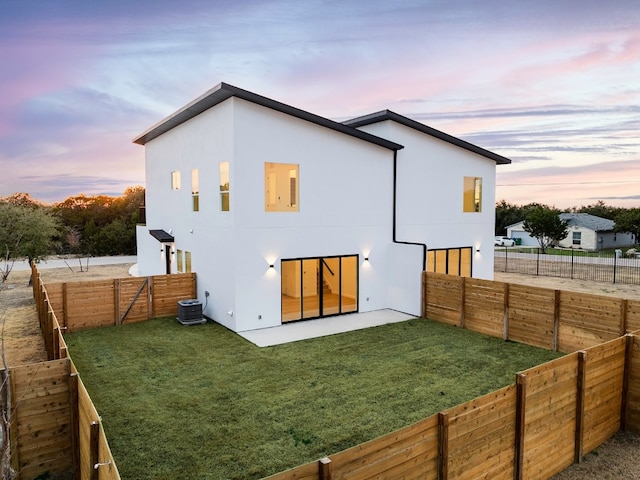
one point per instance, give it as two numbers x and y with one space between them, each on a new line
320 327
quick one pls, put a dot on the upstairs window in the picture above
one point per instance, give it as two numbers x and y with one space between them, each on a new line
224 187
175 180
281 187
195 190
472 194
180 258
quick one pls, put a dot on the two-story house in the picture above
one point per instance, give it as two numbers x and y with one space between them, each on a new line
286 215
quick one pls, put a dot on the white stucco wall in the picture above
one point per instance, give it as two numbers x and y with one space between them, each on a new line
430 194
344 207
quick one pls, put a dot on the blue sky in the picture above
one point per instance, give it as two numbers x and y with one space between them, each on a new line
553 85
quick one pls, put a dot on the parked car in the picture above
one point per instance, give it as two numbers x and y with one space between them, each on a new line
504 242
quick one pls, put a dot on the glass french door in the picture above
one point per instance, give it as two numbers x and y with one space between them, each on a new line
319 287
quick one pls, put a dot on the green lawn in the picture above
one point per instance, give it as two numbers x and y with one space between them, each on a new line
201 402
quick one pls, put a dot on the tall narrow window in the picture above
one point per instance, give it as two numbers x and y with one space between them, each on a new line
224 187
175 180
180 266
472 194
187 262
195 190
281 187
577 238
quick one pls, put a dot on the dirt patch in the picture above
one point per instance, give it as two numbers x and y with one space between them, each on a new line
21 336
620 290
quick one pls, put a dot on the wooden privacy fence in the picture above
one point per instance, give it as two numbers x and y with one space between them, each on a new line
54 425
82 305
553 319
548 419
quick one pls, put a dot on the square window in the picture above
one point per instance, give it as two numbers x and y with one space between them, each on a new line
281 187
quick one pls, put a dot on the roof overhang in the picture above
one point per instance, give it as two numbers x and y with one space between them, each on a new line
161 236
389 115
224 91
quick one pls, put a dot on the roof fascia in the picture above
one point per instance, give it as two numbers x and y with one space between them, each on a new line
223 91
389 115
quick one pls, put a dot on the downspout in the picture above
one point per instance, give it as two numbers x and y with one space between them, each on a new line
395 198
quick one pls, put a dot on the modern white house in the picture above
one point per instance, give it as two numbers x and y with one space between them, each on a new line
586 232
286 215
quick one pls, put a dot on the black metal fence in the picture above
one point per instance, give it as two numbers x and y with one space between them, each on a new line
597 266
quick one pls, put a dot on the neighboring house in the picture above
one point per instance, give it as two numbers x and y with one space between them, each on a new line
286 215
586 232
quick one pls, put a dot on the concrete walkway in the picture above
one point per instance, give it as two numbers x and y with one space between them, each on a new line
320 327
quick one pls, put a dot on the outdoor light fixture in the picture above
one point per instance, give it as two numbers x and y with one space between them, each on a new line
366 259
272 266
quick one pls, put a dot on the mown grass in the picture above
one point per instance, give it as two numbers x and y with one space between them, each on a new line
201 402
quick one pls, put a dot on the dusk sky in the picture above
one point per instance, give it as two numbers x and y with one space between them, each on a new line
553 85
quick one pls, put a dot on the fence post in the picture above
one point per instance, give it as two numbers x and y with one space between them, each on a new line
615 263
626 380
623 316
463 285
505 328
64 307
521 407
582 372
556 320
116 301
538 263
443 446
94 450
75 422
424 294
325 468
572 263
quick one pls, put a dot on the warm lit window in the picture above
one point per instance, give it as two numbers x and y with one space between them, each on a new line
224 186
180 261
175 180
195 190
187 262
281 187
472 197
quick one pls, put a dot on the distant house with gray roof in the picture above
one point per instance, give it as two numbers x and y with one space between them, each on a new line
586 232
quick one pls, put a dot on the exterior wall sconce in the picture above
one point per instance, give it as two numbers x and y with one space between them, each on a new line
366 259
272 266
477 250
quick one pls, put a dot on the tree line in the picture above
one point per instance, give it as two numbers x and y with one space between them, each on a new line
82 225
542 221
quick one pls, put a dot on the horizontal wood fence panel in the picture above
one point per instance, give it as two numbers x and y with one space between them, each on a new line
41 420
481 436
168 290
411 452
444 297
531 315
484 306
632 414
632 315
84 305
133 304
89 304
55 293
550 417
587 320
604 379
